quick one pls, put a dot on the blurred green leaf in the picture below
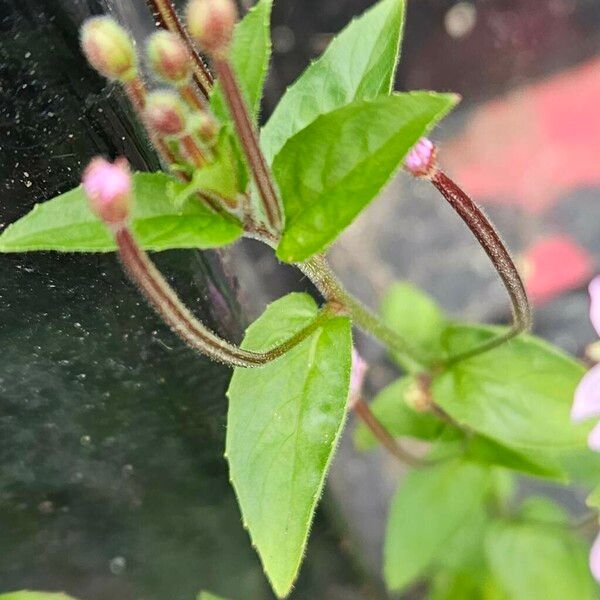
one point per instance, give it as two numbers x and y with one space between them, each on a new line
359 64
519 394
450 585
540 508
283 426
67 224
399 419
489 452
332 169
250 53
29 595
209 596
593 500
538 562
413 315
429 509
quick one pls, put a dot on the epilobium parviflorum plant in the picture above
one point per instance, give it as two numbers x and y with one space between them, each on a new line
491 402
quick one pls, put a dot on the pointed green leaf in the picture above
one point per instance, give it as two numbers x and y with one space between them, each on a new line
283 425
67 224
519 394
331 170
399 419
429 509
250 54
538 562
359 64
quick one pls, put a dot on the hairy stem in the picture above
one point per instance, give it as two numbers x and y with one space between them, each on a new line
166 17
317 269
494 247
174 313
384 437
249 139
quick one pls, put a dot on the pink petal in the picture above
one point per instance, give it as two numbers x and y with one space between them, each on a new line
595 559
594 439
587 396
357 377
594 289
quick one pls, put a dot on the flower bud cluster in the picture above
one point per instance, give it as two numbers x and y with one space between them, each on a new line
182 128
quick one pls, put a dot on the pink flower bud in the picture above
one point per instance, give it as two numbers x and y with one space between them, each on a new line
165 113
211 23
108 189
420 161
357 378
169 57
108 48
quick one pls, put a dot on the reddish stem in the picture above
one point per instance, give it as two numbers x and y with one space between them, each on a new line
195 334
249 140
166 16
384 437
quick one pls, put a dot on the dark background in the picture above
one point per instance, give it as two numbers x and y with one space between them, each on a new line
112 481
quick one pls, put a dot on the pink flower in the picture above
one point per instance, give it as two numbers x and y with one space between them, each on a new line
587 395
420 161
108 189
357 378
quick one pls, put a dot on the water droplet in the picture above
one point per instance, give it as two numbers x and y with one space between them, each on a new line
117 565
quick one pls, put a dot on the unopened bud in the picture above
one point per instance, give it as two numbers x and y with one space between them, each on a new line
420 161
169 57
206 127
418 395
108 48
165 113
107 187
211 23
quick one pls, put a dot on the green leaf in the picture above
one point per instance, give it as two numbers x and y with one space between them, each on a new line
399 419
464 586
219 177
593 500
413 315
330 171
538 562
28 595
416 317
283 426
540 508
359 64
209 596
67 224
250 53
488 452
519 394
429 509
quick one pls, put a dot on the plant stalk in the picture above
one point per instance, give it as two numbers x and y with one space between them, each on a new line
142 271
166 17
249 139
384 437
317 269
494 247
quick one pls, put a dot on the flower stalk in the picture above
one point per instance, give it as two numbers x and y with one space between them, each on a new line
421 162
166 16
